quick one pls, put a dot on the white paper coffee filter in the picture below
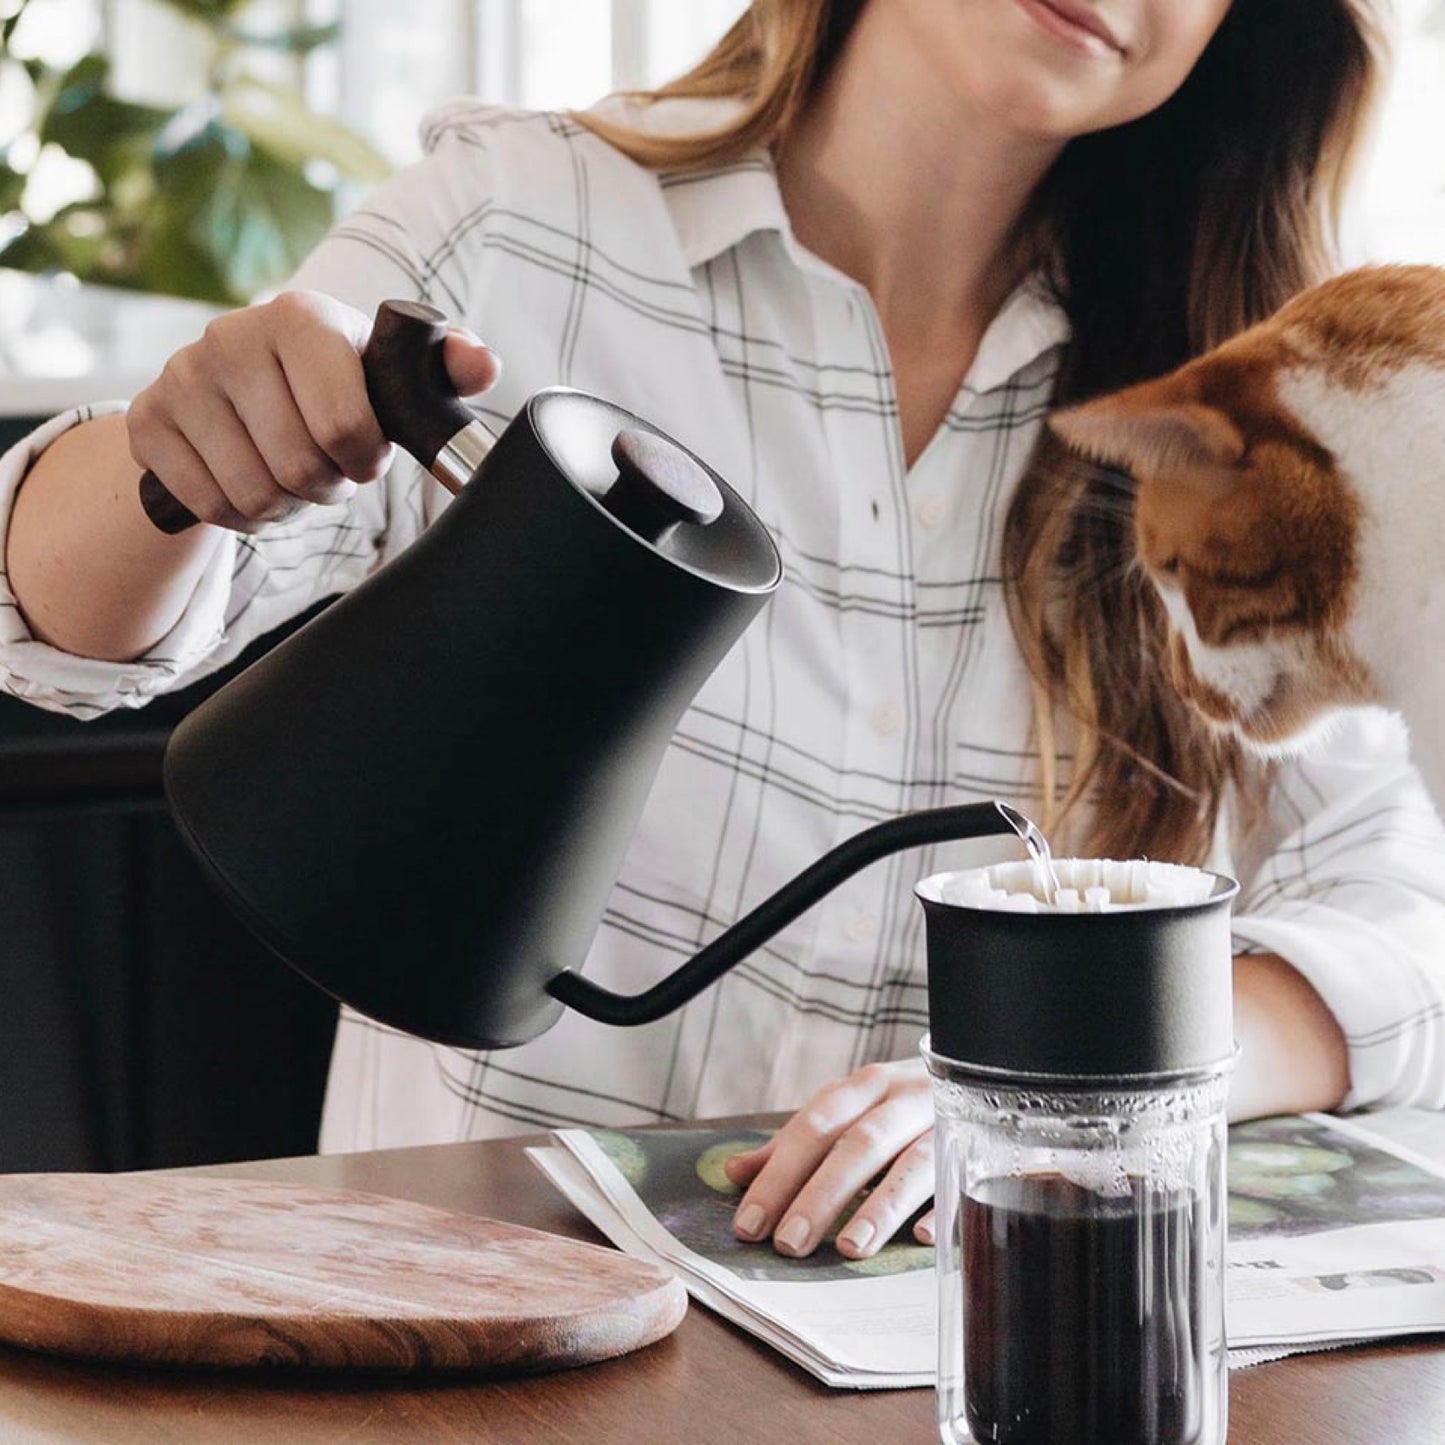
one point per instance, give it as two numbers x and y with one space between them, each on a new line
1086 885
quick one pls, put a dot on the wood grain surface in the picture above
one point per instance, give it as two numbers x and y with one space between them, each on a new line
707 1383
188 1270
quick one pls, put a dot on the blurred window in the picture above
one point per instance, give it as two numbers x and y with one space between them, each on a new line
398 58
1400 201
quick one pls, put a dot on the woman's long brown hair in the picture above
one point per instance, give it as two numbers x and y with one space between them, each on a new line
1164 236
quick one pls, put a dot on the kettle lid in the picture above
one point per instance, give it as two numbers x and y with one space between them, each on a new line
659 492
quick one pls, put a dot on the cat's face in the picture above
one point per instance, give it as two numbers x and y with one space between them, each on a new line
1248 523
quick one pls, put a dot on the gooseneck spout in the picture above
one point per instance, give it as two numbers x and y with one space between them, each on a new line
912 830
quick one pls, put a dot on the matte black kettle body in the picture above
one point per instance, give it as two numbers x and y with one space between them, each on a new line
422 798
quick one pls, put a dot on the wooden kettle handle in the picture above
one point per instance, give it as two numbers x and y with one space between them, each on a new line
409 389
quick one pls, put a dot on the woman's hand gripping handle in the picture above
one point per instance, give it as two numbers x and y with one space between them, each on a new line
296 401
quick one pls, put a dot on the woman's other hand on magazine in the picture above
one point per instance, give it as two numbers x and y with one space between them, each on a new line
877 1121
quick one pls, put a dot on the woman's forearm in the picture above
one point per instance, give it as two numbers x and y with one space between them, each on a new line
1292 1052
91 573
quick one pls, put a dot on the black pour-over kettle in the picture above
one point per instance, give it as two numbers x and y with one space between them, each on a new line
421 799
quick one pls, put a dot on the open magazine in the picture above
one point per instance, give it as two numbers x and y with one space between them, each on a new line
1336 1235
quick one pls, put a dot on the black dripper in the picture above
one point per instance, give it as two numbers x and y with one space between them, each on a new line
1130 991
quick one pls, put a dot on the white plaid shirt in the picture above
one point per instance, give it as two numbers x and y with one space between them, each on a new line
882 677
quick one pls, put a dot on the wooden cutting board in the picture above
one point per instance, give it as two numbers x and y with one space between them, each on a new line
186 1270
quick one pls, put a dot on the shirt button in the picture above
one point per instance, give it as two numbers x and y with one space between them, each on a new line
929 512
859 927
887 720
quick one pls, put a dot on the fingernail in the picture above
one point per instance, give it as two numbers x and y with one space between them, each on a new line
751 1220
496 360
858 1234
924 1233
794 1234
465 333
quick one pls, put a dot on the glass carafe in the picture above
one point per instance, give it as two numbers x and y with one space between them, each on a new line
1080 1065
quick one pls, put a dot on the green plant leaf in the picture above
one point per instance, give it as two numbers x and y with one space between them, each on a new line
208 12
211 200
169 261
91 125
12 187
294 40
31 251
276 119
57 245
264 223
249 215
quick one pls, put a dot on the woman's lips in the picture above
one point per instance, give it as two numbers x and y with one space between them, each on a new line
1077 27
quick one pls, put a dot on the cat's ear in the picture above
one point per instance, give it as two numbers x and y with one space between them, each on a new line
1146 436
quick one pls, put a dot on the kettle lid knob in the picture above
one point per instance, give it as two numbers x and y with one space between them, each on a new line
658 486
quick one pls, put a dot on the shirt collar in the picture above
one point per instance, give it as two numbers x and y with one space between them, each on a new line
1030 323
716 209
713 210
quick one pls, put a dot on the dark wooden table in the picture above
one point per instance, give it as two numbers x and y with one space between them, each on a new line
709 1383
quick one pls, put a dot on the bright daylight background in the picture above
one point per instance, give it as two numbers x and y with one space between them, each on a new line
399 57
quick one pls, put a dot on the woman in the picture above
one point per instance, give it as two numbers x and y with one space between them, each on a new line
841 260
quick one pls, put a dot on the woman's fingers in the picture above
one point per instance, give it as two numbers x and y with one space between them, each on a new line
269 410
923 1231
188 478
471 364
887 1138
227 403
830 1150
743 1168
211 465
323 396
801 1145
906 1186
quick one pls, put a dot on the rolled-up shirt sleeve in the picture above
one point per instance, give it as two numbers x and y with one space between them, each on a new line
251 585
81 686
1350 889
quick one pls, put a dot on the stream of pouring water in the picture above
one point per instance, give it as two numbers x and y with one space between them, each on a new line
1046 880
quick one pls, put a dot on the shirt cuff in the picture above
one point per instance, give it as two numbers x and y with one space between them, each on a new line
1379 999
85 687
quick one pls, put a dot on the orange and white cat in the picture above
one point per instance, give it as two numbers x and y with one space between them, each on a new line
1290 509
